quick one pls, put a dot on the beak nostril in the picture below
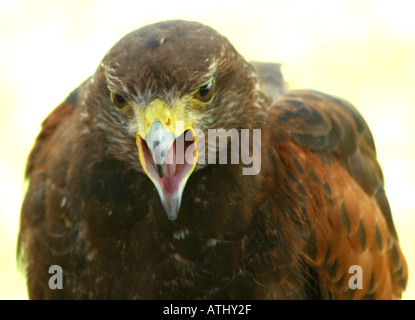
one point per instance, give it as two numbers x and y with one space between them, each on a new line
168 122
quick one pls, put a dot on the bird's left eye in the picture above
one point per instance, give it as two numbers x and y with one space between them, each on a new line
118 100
205 92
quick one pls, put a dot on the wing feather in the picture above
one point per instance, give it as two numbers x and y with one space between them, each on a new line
327 147
49 126
33 239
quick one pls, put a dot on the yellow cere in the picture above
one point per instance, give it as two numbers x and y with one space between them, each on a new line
177 118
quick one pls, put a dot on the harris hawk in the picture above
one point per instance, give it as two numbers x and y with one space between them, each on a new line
130 197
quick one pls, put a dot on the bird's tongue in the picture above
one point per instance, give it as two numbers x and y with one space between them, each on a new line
176 166
170 165
170 176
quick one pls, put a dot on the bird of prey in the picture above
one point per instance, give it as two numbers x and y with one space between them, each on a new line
181 171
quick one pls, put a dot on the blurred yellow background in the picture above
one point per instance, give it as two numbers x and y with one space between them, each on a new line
361 50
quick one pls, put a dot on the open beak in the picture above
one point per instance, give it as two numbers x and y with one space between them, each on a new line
168 161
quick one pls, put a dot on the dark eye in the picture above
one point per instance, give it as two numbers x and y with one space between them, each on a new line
205 93
118 100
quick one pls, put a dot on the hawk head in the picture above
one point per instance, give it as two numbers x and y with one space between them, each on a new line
159 89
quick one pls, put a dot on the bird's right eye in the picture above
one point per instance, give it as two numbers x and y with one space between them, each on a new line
118 100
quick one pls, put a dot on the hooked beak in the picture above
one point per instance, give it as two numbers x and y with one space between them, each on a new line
168 161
